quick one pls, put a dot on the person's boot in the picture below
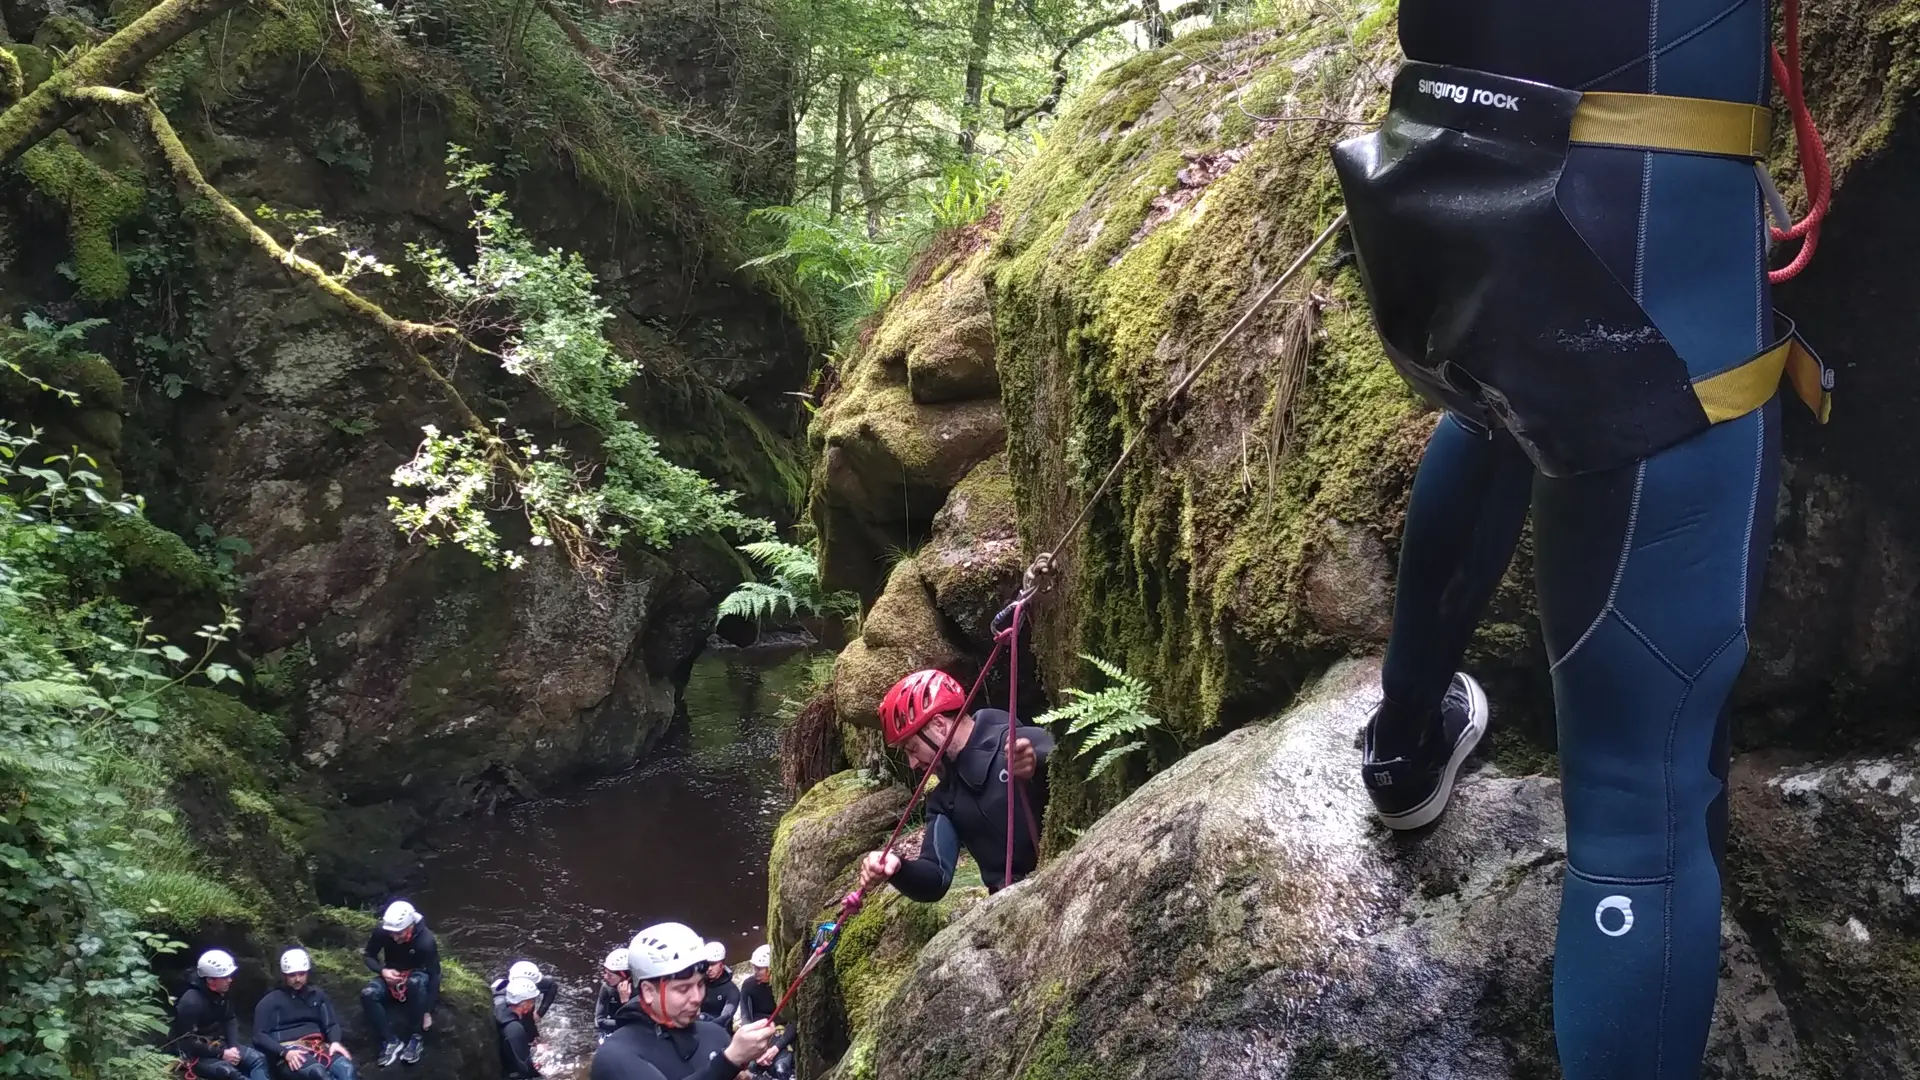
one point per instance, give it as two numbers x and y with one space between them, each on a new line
389 1052
411 1055
1411 791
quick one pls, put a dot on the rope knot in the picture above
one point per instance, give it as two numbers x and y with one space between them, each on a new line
1041 571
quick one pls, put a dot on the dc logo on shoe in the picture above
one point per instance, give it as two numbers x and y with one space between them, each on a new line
1614 903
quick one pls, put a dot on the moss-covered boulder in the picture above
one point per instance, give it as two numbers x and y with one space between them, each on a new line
974 561
1825 872
916 409
1243 914
902 633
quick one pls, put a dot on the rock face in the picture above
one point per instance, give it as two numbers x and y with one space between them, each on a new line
275 418
1242 915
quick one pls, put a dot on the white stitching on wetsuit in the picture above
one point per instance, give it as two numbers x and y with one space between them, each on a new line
1619 569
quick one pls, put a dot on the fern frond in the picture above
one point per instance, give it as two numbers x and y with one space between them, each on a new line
755 600
1111 756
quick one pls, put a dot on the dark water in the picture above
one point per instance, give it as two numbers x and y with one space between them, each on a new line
564 881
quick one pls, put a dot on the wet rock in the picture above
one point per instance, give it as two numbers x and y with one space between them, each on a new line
903 633
1243 915
1825 869
1349 586
974 561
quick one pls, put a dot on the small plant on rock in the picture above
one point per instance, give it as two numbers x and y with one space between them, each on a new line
1107 718
793 587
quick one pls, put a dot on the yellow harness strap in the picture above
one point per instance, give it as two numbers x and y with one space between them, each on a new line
1675 124
1740 390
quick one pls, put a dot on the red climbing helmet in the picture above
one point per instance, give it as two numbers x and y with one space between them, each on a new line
915 700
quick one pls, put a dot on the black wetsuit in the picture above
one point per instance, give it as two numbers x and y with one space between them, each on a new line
723 1000
286 1015
640 1049
517 1034
605 1005
756 1000
204 1026
969 809
419 955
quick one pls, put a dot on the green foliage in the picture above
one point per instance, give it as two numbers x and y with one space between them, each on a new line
794 587
88 848
1105 716
97 203
554 339
51 357
852 275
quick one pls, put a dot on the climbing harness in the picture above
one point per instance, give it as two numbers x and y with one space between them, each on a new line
828 933
316 1045
1479 282
397 990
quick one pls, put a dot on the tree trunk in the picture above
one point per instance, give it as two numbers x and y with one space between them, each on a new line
842 147
863 170
976 73
115 60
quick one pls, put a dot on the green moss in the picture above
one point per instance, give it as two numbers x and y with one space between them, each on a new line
158 558
877 950
34 64
96 203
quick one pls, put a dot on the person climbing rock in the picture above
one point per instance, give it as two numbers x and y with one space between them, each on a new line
658 1032
405 963
515 1009
206 1031
723 997
530 971
920 714
295 1026
756 992
616 986
1580 283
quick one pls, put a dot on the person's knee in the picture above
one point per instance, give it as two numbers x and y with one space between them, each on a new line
342 1069
417 981
373 992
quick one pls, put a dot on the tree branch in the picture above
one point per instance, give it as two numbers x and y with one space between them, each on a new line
115 60
1013 116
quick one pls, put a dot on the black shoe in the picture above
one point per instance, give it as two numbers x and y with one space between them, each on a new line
389 1052
1411 792
411 1055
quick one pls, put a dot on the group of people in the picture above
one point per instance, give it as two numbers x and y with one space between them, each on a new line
296 1032
668 1010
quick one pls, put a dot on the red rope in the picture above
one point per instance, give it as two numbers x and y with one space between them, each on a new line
1814 166
853 901
1013 726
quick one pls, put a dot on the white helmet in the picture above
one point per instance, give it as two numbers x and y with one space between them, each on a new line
716 952
294 961
216 964
524 969
763 957
616 960
519 990
664 949
399 916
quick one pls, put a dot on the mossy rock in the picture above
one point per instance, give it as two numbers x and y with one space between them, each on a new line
96 203
974 562
917 408
903 633
1242 914
156 560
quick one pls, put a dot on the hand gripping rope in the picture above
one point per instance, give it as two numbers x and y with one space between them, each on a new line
1003 641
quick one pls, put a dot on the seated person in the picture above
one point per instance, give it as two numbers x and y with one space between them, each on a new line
756 993
514 1010
405 963
296 1027
615 988
206 1033
723 998
530 971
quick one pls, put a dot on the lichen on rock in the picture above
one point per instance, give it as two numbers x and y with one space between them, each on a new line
904 632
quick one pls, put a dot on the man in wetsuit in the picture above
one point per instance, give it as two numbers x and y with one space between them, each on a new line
723 997
919 715
405 962
1651 521
206 1032
295 1025
658 1033
756 992
616 986
530 971
514 1007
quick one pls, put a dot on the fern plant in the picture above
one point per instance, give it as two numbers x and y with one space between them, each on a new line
793 587
1109 718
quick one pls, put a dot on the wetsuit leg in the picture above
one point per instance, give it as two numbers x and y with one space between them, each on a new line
373 1002
341 1069
216 1068
1464 517
1647 576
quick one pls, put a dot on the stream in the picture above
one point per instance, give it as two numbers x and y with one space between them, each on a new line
684 836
